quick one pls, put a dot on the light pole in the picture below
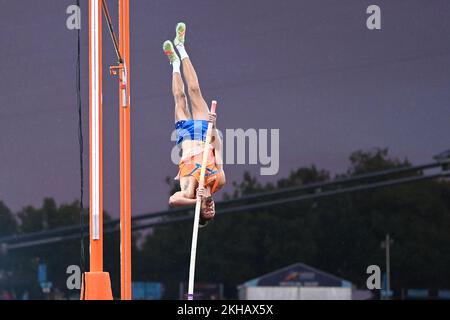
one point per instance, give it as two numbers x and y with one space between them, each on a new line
387 245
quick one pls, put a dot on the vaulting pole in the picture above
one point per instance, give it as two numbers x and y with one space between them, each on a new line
125 150
96 284
198 207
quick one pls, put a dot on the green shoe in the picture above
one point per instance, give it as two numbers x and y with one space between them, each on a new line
181 34
169 51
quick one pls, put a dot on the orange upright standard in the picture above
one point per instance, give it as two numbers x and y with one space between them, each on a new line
97 282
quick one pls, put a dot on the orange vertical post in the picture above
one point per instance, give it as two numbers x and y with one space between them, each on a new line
125 151
96 284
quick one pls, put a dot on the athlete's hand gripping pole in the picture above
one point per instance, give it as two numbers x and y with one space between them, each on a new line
198 206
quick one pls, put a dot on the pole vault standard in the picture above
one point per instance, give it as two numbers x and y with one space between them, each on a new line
125 151
198 207
97 283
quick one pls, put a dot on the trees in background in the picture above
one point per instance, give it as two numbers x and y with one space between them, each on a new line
341 235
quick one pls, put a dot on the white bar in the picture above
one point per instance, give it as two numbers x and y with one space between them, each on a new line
95 116
125 83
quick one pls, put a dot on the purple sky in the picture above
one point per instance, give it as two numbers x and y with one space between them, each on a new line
308 68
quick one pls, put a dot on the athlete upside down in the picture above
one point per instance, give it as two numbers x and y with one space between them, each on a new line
191 134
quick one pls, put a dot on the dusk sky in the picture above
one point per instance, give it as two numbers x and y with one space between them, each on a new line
309 68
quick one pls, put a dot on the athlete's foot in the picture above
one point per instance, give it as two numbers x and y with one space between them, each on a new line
181 34
169 51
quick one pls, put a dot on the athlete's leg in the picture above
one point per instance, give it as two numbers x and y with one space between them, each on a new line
198 104
181 107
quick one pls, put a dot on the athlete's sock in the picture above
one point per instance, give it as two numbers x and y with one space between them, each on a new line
176 66
182 51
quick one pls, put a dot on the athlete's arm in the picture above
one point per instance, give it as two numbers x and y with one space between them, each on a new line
180 199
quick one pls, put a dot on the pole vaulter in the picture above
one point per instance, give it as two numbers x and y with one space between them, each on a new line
200 173
96 282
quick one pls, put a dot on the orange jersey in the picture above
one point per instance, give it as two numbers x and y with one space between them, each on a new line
191 166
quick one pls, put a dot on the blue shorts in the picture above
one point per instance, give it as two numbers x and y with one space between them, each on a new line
191 130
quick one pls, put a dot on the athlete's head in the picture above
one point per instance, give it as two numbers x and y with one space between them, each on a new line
207 211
